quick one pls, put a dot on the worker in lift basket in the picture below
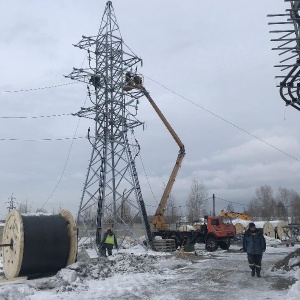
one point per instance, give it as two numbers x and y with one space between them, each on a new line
108 242
254 244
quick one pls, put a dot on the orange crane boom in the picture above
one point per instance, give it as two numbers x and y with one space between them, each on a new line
158 219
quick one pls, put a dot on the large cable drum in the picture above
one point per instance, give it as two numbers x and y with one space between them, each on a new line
239 228
283 233
39 244
268 230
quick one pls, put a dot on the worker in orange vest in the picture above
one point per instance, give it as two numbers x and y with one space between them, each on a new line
108 242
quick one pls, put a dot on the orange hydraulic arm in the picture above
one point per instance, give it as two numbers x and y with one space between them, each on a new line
158 219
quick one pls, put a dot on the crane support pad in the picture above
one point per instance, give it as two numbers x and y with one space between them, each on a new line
164 245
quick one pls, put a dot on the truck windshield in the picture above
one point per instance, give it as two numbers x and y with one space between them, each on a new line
226 221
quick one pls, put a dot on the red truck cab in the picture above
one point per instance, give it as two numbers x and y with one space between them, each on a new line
219 233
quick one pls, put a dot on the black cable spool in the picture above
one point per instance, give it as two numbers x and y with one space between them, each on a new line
46 244
40 244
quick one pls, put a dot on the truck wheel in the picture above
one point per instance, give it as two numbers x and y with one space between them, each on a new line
224 245
211 244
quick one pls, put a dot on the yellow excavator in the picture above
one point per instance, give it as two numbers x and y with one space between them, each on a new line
235 215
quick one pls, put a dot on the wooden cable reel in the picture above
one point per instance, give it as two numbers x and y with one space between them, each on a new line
283 232
38 244
239 228
268 230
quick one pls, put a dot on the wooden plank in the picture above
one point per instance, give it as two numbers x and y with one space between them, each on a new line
16 280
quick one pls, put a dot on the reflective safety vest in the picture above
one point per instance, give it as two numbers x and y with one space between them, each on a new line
110 239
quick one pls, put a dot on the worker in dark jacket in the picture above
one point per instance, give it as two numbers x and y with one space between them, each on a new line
254 244
108 242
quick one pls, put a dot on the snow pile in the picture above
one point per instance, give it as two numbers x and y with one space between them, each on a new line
290 261
136 273
64 280
129 242
294 292
86 242
294 261
121 263
272 242
36 214
241 221
13 293
78 276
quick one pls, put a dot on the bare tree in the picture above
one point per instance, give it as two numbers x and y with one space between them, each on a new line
281 211
89 214
41 210
253 209
284 199
196 201
56 210
229 207
295 208
266 201
24 207
171 214
284 196
125 212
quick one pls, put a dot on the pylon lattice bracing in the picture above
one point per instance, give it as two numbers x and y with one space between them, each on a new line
111 194
288 27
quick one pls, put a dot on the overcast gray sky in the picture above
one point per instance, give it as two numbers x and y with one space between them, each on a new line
217 54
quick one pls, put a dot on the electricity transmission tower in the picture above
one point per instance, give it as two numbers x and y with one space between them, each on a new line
11 203
111 194
289 50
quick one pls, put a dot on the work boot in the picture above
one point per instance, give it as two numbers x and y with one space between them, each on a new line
258 272
253 272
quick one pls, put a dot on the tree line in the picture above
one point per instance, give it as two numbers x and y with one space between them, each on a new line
266 205
284 204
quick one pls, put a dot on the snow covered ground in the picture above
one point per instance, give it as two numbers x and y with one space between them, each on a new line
136 274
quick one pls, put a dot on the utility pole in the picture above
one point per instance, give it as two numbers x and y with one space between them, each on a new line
11 203
111 179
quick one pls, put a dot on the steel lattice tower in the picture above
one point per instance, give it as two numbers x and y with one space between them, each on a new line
288 27
111 194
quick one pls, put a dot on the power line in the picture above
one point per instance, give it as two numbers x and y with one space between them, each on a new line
223 119
39 88
143 166
252 205
36 117
180 206
44 140
66 162
196 104
233 202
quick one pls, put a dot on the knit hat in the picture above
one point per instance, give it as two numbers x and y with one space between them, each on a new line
251 225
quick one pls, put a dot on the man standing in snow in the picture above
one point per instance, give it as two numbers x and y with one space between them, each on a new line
254 244
108 242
